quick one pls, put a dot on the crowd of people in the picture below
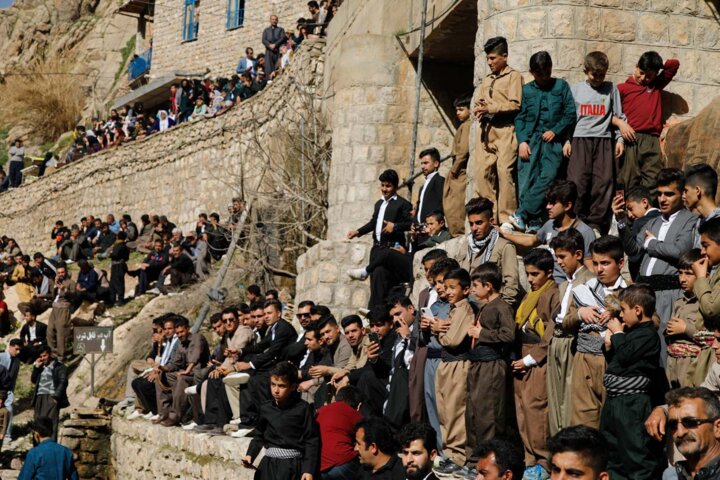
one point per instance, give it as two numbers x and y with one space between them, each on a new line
189 100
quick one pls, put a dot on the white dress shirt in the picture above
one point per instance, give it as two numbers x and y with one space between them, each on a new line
381 217
664 227
565 303
422 195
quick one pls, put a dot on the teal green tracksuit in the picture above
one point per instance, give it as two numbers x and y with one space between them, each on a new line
552 109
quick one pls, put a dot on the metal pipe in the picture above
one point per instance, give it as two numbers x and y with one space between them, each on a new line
418 87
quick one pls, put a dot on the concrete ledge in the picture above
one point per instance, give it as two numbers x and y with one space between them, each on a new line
142 450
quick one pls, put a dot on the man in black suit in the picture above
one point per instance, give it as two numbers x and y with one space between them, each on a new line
297 350
430 197
636 208
33 335
389 265
262 357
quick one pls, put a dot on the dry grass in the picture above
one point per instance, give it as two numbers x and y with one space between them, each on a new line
42 96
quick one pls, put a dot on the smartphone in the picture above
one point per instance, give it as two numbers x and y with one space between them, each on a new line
374 337
426 312
620 189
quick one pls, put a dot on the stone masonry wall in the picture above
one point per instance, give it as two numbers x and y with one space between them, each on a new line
216 48
181 172
624 29
88 436
142 450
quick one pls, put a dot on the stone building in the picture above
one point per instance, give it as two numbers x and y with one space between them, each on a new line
194 38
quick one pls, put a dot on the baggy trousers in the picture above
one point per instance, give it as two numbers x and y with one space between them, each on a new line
559 378
588 390
451 394
485 405
494 169
532 416
592 169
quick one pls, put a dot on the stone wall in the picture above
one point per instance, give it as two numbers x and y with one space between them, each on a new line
624 29
142 450
88 436
192 168
370 91
216 47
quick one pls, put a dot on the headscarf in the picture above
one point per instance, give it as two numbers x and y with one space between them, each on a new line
163 124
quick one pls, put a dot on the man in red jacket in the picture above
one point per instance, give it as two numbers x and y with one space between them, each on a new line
641 96
337 421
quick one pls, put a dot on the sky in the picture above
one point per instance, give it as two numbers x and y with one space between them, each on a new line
6 3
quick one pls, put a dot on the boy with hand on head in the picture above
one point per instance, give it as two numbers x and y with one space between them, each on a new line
569 248
635 209
689 343
560 200
641 96
456 180
707 290
595 146
493 334
588 315
286 428
496 106
534 323
701 181
451 375
546 118
632 349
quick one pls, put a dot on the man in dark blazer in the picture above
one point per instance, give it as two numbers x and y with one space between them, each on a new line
260 358
33 335
430 196
627 210
389 264
661 243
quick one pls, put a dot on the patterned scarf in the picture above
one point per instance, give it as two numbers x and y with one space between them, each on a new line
484 246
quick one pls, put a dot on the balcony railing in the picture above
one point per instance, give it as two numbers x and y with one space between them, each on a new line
139 65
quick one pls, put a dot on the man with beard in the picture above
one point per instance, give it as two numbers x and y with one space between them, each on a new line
694 423
419 448
376 450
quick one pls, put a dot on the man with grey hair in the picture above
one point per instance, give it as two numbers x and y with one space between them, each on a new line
694 423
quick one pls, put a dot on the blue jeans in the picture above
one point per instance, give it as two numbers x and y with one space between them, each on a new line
346 471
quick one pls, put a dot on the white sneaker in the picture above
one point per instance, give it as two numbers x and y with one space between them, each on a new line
235 421
238 378
189 426
135 414
357 273
148 416
154 417
155 291
507 227
191 390
242 433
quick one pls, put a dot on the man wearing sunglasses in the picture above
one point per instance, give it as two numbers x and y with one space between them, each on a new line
297 351
694 423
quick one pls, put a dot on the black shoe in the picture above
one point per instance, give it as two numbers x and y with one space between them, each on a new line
447 468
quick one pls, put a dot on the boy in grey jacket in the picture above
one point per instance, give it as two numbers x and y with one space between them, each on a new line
594 145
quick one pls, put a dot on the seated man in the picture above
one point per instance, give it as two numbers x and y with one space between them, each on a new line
33 335
142 368
388 267
75 247
193 352
144 385
41 298
337 434
338 351
87 284
103 242
149 271
180 268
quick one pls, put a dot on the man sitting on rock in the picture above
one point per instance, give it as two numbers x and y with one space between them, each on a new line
180 268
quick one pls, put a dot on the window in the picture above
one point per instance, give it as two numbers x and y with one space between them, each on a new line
191 20
235 14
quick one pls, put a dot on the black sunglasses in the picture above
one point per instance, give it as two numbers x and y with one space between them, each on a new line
688 423
301 315
228 320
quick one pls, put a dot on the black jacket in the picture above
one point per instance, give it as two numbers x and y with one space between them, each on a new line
40 333
60 383
269 351
397 212
433 200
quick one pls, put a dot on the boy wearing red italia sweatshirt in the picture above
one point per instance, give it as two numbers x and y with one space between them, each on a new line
641 102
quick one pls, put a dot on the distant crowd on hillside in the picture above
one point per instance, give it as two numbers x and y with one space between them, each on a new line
189 100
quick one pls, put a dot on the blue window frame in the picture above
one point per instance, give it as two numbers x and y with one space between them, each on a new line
235 14
190 23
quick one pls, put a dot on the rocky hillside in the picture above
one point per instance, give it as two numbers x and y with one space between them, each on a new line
80 40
